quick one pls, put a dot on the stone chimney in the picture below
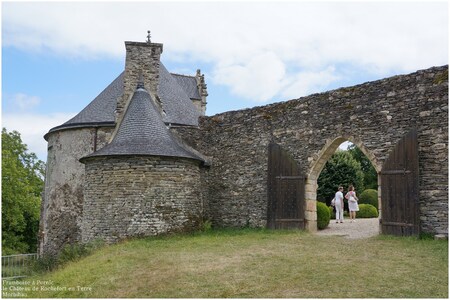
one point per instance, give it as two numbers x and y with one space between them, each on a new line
141 62
201 85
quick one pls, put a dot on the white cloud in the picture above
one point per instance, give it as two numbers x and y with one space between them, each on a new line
33 127
250 45
305 83
23 101
345 145
260 78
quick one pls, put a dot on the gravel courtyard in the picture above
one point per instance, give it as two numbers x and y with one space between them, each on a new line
362 228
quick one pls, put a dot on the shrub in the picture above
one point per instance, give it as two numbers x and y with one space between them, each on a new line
71 252
332 212
206 225
340 169
323 215
369 196
367 211
45 263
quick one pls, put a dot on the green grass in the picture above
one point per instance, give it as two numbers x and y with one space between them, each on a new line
257 263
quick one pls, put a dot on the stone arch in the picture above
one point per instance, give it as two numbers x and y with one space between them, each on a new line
316 167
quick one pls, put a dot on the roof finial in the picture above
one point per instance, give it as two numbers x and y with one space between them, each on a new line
148 36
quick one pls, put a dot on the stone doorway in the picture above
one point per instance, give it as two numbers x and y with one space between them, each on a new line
311 179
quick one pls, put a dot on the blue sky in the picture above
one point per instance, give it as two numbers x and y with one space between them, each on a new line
58 56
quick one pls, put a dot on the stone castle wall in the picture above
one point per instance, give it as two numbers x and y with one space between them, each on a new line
140 196
373 115
61 208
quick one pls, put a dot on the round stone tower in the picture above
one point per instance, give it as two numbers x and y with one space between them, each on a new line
144 182
62 201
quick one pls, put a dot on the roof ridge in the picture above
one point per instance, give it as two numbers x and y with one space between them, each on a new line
184 75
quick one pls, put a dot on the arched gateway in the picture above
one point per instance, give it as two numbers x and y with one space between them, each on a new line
310 178
292 194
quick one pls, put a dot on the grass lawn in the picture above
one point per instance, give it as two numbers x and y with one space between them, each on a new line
255 263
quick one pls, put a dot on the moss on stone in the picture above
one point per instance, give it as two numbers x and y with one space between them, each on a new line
441 77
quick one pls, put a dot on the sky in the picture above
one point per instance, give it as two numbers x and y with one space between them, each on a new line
58 56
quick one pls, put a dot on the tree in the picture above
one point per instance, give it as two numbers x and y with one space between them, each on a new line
22 184
370 174
340 169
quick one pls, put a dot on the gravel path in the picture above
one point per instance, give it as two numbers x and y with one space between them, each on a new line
362 228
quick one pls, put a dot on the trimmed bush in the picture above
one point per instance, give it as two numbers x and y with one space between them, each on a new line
369 196
332 212
367 211
323 215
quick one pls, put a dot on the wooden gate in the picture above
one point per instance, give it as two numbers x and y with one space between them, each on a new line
400 189
286 189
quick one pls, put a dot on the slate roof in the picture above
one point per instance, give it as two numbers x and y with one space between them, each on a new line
176 103
189 85
100 111
143 132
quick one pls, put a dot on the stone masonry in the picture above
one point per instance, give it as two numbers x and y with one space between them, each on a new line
140 196
63 199
373 115
142 59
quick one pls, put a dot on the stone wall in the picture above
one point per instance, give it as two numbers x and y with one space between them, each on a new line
62 203
132 196
374 116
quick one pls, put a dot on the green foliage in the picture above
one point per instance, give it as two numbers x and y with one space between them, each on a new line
426 236
70 253
369 196
370 174
441 77
206 225
332 212
22 184
323 215
45 263
367 211
340 169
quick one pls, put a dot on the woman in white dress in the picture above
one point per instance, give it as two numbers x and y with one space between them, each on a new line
352 203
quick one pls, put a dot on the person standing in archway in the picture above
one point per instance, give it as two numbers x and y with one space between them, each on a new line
339 205
353 206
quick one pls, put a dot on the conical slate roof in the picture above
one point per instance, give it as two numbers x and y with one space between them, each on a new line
143 132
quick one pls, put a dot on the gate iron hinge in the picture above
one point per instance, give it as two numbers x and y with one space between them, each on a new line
395 172
290 177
